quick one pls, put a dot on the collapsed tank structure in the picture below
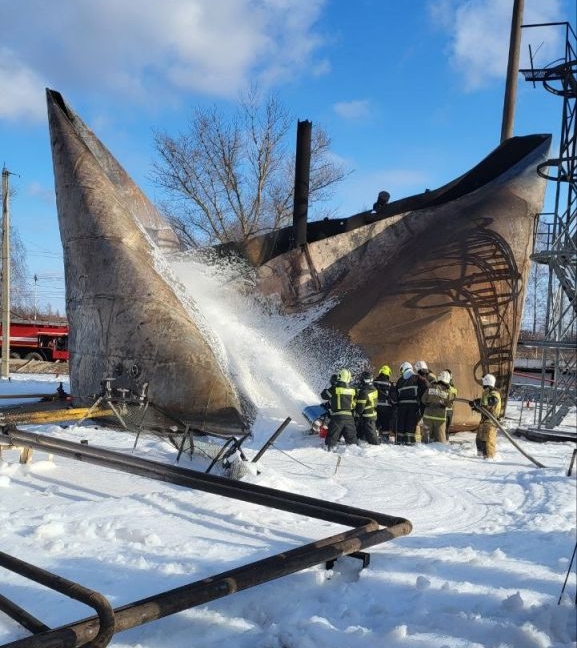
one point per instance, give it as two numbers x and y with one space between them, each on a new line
438 276
126 321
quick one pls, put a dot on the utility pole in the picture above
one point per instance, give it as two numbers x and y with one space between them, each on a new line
35 296
5 362
512 71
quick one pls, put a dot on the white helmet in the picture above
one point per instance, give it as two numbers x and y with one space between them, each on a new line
421 365
406 366
444 377
489 380
344 375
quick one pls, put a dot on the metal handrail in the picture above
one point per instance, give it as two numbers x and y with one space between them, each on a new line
91 598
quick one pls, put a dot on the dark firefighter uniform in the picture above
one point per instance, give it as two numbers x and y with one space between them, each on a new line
386 403
366 411
342 404
409 392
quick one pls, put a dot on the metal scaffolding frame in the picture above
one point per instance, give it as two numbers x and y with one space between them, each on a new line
555 242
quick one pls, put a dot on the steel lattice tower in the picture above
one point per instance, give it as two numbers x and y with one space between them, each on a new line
556 240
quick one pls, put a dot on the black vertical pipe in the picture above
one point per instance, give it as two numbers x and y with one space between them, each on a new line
512 71
272 439
302 179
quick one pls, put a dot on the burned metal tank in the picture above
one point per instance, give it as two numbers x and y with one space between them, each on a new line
126 320
439 276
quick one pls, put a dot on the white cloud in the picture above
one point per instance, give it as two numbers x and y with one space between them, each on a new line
150 49
21 90
479 32
352 109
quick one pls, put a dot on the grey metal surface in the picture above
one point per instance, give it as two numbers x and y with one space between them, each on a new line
126 320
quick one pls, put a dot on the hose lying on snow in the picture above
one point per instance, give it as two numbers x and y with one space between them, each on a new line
490 416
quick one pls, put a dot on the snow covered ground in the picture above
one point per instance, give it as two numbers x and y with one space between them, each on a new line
484 566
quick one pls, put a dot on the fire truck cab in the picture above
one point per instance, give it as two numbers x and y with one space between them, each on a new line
38 341
53 345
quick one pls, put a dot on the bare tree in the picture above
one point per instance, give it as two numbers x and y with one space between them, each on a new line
535 307
231 178
536 299
20 291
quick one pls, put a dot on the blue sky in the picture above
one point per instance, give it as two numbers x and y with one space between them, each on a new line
411 93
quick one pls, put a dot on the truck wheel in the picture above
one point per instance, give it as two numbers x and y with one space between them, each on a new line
14 355
34 355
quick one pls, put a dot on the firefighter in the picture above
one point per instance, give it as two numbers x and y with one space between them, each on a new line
409 389
366 410
450 407
436 400
486 439
342 400
386 403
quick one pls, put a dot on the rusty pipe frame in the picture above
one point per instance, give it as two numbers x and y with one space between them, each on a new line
22 616
255 494
368 529
24 396
104 621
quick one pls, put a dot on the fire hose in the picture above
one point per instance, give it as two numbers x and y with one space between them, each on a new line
485 412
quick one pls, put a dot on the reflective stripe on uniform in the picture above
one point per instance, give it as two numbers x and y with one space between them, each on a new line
343 401
411 391
368 403
434 418
494 409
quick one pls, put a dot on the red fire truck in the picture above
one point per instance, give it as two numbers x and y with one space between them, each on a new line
38 340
